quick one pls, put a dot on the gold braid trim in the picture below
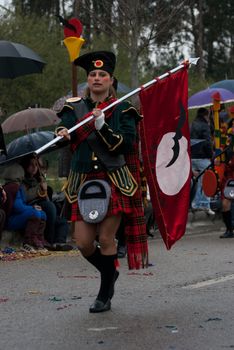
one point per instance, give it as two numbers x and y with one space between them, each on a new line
123 179
118 137
72 185
126 110
69 106
103 138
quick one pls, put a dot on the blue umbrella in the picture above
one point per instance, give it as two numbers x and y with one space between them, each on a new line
227 84
204 98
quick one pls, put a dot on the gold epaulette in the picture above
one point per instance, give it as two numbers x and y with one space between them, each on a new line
67 105
73 99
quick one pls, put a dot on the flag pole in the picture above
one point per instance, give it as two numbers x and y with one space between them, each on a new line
131 93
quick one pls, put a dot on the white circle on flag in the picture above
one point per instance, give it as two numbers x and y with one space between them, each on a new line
172 179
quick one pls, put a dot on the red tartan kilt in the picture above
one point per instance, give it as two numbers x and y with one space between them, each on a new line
119 203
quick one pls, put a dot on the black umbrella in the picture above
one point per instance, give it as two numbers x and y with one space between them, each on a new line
17 59
26 145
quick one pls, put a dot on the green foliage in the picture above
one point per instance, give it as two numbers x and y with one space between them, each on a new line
164 28
38 7
41 89
218 38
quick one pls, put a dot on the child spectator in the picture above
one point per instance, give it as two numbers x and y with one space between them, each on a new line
20 216
36 190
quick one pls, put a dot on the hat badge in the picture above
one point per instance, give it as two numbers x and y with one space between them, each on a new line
98 63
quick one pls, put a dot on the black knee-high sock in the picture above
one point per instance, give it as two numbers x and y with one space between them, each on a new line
95 259
227 219
107 276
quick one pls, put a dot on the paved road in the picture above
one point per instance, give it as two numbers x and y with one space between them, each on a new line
185 300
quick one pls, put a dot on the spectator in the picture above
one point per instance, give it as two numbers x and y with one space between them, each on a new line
36 190
201 156
228 175
20 216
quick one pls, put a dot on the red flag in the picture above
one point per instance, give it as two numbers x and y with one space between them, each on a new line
166 152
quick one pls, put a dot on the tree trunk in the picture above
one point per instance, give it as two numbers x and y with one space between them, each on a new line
200 40
134 62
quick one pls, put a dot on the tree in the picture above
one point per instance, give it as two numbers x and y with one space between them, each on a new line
196 13
37 7
42 89
132 27
148 36
212 32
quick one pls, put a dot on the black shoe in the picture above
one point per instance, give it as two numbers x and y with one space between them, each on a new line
63 247
50 247
227 234
112 287
99 306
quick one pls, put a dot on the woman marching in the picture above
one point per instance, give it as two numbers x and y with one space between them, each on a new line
103 183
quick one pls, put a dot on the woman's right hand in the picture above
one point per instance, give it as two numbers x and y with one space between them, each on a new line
64 133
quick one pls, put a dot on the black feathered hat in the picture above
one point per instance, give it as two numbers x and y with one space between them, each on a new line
104 60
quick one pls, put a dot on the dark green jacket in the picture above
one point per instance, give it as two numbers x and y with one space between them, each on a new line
117 136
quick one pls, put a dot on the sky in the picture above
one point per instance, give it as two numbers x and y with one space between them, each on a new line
4 2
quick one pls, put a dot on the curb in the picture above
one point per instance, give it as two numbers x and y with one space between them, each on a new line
11 238
196 220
